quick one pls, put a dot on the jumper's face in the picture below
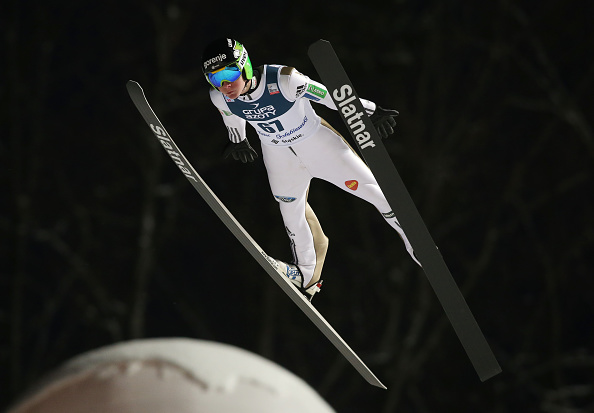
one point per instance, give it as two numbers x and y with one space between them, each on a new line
233 89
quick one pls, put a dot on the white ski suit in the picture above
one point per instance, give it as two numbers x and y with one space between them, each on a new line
298 145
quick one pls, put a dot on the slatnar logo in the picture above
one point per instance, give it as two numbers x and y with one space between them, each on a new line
177 157
350 113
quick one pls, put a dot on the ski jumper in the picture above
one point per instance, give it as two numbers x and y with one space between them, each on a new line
298 145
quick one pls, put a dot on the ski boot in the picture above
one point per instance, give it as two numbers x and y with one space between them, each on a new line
293 273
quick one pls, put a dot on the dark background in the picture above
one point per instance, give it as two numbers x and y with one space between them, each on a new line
103 240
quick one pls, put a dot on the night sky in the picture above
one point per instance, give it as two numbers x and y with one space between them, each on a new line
103 240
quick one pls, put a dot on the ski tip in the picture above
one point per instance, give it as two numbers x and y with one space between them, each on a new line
319 43
486 375
134 88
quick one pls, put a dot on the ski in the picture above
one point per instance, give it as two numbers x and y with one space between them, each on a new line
373 151
269 264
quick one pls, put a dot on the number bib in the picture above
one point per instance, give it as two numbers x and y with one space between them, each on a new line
278 121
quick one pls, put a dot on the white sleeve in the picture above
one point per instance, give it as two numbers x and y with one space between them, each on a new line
299 86
235 125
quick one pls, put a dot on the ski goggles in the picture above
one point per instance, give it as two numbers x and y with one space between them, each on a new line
225 74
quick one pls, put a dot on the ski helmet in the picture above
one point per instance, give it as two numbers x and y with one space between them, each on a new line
226 52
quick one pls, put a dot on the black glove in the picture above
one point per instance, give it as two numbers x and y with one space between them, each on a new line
383 120
240 151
